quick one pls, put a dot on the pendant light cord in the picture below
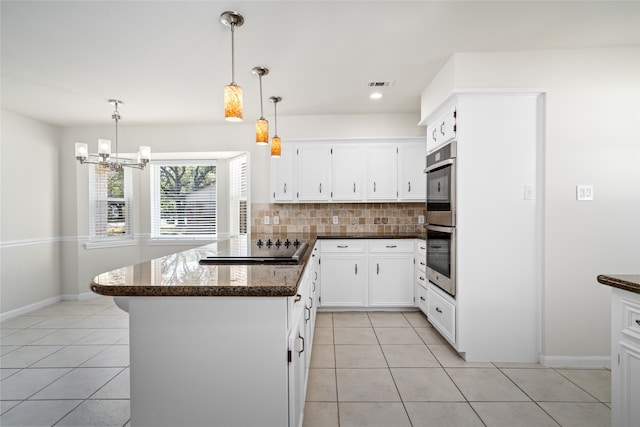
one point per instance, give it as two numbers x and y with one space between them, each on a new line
261 110
233 55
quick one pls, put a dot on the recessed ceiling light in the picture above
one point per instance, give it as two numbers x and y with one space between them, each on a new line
375 95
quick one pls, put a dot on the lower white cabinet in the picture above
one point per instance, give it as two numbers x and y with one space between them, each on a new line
367 273
441 312
391 273
625 366
343 271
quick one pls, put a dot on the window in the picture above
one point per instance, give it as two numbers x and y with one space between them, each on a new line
183 200
110 203
238 194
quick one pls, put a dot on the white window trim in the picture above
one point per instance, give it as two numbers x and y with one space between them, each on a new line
154 193
96 242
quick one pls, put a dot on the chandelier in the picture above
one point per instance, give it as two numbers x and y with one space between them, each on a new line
104 158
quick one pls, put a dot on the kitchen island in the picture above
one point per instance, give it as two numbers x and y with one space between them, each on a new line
218 345
625 348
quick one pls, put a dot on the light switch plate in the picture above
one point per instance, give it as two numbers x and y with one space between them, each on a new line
528 192
335 219
584 192
276 220
420 219
266 220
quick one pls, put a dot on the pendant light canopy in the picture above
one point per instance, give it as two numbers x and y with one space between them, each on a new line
262 125
232 92
276 144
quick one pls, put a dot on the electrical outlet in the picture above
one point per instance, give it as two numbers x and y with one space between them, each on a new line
266 220
584 192
420 219
276 220
354 220
335 220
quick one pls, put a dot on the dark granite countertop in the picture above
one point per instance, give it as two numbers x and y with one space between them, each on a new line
181 274
627 282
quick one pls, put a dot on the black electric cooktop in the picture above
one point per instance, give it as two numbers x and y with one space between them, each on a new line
260 250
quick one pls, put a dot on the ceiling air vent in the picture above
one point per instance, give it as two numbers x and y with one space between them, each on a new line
382 83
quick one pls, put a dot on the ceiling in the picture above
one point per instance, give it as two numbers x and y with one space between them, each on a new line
169 60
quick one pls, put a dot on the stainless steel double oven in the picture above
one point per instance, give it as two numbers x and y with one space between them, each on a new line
441 218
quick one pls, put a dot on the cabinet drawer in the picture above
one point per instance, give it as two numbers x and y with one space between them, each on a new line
421 299
391 245
631 317
421 262
442 314
421 247
350 245
421 278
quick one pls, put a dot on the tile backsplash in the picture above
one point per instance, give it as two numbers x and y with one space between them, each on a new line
352 218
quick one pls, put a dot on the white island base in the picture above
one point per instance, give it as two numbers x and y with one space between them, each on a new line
208 361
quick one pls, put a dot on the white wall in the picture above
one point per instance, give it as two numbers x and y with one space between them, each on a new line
30 212
592 137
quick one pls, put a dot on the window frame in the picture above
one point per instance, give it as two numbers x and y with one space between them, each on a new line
154 203
97 240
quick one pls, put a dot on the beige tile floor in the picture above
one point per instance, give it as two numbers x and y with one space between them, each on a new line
67 365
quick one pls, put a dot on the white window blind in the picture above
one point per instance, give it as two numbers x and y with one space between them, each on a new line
238 194
184 200
110 203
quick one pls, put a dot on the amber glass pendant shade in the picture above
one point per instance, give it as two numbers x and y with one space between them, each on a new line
262 131
275 146
233 103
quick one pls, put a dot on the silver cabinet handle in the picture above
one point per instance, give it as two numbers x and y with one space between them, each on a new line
285 188
320 187
298 298
392 246
374 187
356 269
302 338
423 247
421 278
433 135
638 322
422 298
377 268
423 263
438 310
343 246
442 128
409 186
307 310
354 187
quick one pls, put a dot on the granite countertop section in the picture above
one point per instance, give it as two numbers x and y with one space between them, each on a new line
181 274
627 282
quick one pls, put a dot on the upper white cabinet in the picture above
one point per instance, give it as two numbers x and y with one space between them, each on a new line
382 172
442 129
348 171
412 183
388 170
314 173
282 176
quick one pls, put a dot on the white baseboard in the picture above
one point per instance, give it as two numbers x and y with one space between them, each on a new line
587 362
80 297
29 308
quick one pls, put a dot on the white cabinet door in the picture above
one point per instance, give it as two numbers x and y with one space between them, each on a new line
347 168
412 159
343 280
314 173
441 130
382 172
297 355
282 176
391 280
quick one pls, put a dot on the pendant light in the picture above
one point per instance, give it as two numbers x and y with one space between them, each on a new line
232 92
104 158
262 125
276 145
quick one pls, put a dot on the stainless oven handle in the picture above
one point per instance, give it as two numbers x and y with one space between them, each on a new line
439 165
440 228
